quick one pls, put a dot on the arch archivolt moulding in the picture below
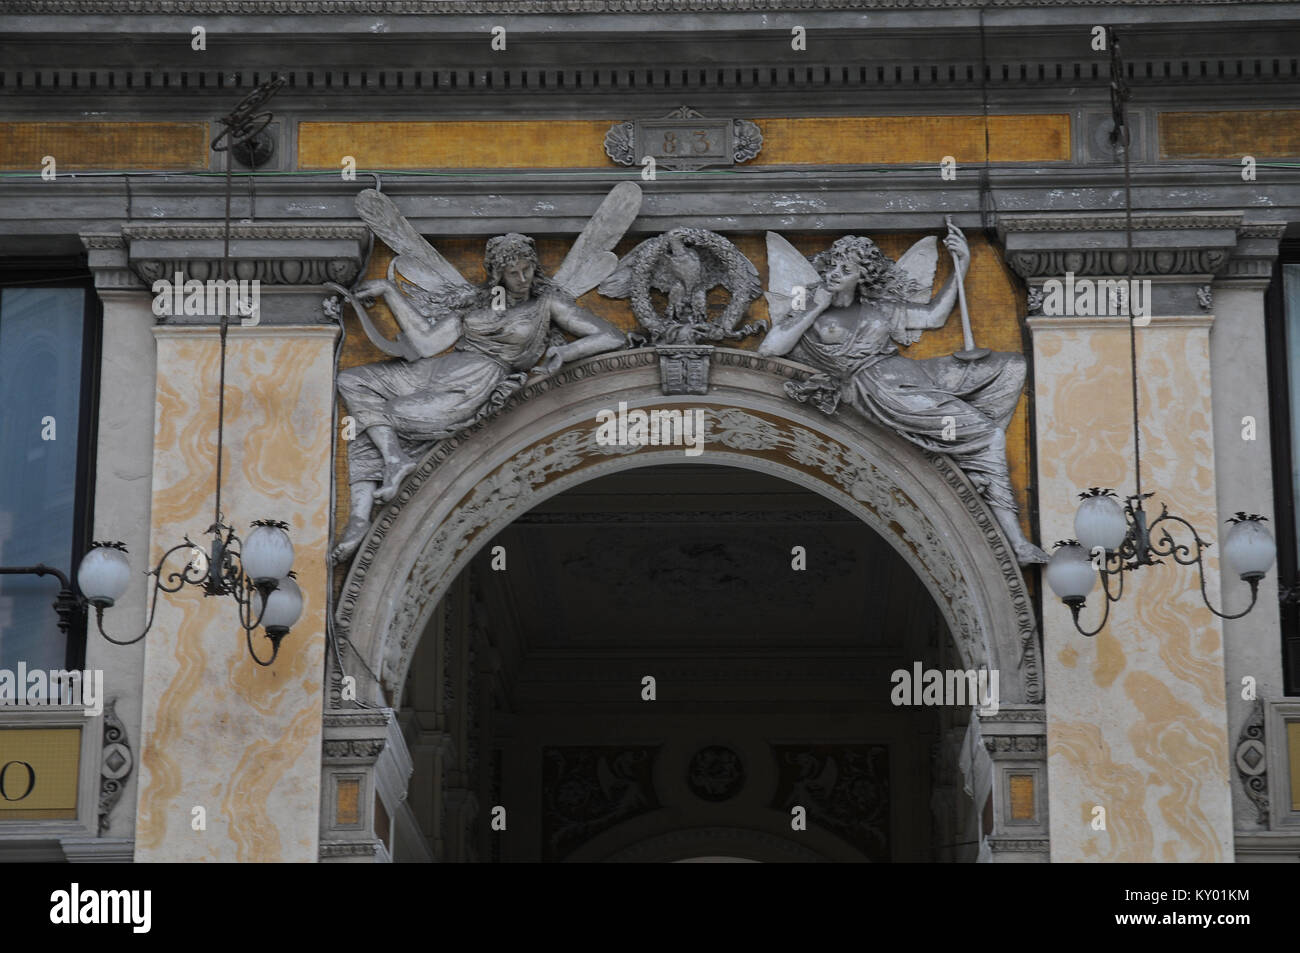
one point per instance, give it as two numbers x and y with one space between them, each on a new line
471 486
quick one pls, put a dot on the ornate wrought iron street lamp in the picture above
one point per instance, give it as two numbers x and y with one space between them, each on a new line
1112 540
255 571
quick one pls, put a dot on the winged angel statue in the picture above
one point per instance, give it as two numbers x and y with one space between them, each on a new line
860 305
498 332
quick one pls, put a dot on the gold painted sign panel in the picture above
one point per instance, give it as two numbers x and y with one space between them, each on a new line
1022 797
1293 752
38 773
79 146
1266 133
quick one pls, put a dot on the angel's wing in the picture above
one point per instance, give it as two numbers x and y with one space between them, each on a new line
590 260
786 271
417 261
719 271
919 262
619 282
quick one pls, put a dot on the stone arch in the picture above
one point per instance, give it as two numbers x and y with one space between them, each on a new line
471 486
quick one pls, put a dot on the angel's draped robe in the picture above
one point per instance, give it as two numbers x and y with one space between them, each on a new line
914 398
434 397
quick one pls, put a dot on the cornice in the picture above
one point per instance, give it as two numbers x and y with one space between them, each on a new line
96 241
478 7
1040 322
1269 230
366 848
274 231
358 718
1115 222
1034 844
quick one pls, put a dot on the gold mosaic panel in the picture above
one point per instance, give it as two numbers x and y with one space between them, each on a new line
82 146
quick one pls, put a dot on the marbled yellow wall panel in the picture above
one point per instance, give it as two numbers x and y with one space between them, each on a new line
76 146
995 299
1137 718
559 144
220 732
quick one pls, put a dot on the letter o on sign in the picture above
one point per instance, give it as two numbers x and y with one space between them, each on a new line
5 782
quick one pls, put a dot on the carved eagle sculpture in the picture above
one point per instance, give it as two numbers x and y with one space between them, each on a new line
685 264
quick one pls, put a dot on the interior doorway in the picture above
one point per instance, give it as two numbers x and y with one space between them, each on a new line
683 663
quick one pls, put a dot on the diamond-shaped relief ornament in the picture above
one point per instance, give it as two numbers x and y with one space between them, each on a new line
1250 757
117 761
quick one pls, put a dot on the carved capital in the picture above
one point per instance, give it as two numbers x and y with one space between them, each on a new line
275 254
1093 244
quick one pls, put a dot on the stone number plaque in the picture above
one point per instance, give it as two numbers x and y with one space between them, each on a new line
685 145
684 140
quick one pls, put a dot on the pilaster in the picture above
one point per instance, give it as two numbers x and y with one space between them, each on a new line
1137 726
365 769
123 502
1013 741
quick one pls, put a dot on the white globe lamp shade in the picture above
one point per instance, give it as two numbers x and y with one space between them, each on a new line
267 554
1100 522
1070 573
1249 549
283 607
104 574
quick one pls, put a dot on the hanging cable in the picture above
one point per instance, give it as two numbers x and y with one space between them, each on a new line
1121 139
988 205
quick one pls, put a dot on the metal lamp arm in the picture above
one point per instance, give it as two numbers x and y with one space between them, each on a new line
1167 547
1105 575
244 597
275 647
158 586
1074 611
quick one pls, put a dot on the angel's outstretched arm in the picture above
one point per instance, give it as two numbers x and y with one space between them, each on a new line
595 335
427 338
786 332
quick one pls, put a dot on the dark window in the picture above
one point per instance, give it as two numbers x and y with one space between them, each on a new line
49 352
1284 383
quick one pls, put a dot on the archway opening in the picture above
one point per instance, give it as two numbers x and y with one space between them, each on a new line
682 661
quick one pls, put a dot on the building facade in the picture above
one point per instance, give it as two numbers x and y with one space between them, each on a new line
477 239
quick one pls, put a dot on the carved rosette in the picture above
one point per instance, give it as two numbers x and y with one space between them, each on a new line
619 143
748 139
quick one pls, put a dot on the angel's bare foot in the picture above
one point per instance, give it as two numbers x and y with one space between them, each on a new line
353 534
1027 553
396 469
397 465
